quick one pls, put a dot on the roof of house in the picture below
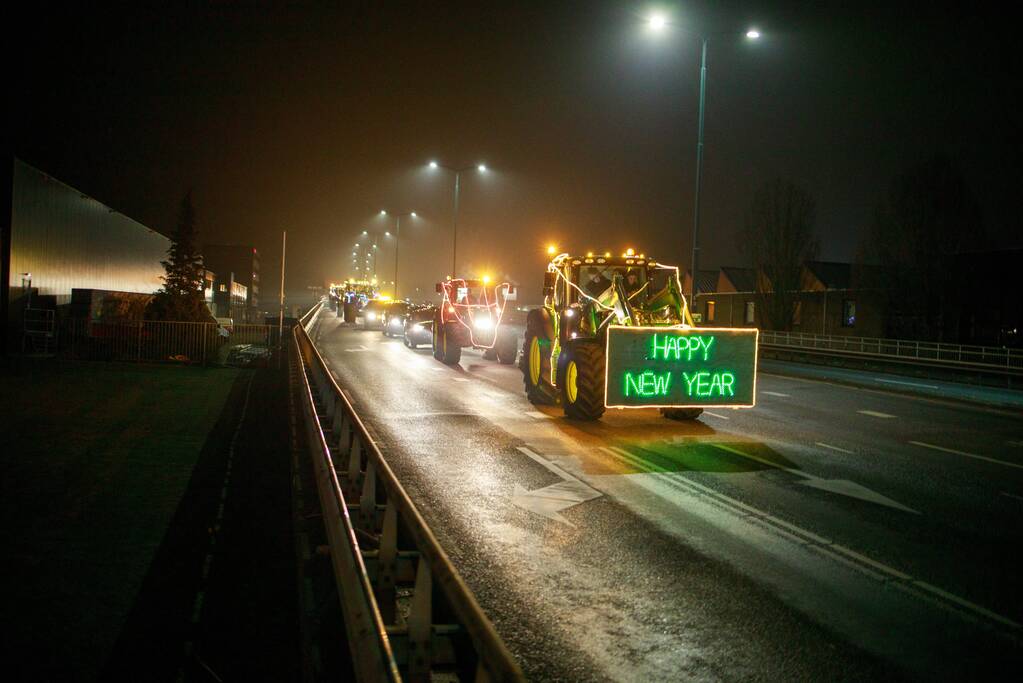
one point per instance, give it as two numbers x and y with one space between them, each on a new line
742 279
706 281
831 274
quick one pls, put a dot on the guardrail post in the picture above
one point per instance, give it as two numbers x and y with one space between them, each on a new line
368 500
387 564
354 466
420 624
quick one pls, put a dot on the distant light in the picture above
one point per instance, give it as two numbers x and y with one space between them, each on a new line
413 214
356 244
630 251
486 279
657 21
482 168
607 254
353 253
386 234
364 232
552 250
433 164
382 212
752 34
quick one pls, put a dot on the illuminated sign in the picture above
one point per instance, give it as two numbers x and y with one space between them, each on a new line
670 367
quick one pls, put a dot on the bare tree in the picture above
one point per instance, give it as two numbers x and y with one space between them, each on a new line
777 240
928 215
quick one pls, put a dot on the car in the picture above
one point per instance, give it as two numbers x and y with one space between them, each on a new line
418 325
394 313
371 316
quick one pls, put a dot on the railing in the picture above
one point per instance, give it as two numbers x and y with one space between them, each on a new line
986 358
407 612
157 340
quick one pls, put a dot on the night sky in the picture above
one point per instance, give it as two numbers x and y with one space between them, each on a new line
314 117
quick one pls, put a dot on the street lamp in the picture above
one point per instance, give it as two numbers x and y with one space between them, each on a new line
657 23
482 168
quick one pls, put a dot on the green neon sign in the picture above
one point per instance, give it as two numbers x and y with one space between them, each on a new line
676 367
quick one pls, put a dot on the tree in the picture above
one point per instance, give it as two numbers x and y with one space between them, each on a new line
777 240
181 297
928 215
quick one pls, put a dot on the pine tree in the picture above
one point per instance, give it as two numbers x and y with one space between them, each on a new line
181 297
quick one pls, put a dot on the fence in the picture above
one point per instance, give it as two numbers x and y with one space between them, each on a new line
984 358
157 340
407 612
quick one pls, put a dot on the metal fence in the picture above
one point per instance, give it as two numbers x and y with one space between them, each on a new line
407 612
934 353
157 340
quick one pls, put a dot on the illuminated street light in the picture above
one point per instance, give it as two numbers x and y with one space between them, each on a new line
656 23
364 232
382 212
397 238
482 168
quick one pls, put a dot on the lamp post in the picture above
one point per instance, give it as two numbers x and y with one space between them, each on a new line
397 242
482 168
657 23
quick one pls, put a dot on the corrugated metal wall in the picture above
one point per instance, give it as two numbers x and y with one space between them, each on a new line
67 240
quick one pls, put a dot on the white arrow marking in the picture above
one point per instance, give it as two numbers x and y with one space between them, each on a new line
551 500
842 487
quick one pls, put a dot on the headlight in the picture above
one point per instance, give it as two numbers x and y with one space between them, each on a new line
371 316
483 323
394 322
417 328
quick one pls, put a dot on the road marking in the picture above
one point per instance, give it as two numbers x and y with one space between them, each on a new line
1011 495
867 566
720 417
775 393
537 414
438 369
967 455
908 384
462 379
874 413
550 501
355 349
834 448
1015 443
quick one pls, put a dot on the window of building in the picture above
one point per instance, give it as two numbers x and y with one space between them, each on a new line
710 311
797 313
848 313
223 288
751 312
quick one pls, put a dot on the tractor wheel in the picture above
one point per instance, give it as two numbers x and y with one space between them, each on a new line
681 413
506 348
438 332
451 350
582 385
535 363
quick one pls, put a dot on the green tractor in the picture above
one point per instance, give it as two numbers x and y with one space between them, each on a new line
616 332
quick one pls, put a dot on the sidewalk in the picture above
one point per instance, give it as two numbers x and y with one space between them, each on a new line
939 389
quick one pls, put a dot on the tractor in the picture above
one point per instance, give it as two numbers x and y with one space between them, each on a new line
470 315
616 332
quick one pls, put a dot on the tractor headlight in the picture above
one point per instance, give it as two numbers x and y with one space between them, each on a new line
371 316
483 323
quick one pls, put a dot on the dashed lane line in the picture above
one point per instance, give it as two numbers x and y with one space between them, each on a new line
834 448
775 393
874 413
967 455
867 566
462 379
907 384
720 417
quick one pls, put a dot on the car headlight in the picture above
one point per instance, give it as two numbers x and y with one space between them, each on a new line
371 316
417 328
394 322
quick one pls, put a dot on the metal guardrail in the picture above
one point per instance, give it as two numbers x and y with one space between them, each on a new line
407 612
984 358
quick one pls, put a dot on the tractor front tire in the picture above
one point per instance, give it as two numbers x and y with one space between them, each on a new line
681 414
535 364
582 385
506 348
438 332
451 350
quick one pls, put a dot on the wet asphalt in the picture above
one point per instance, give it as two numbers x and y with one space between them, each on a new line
829 533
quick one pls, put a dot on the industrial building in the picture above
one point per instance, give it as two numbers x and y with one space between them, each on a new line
236 264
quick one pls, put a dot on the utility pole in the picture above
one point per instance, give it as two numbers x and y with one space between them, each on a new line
280 320
699 176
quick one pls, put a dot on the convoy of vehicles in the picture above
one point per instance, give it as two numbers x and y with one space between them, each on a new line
613 332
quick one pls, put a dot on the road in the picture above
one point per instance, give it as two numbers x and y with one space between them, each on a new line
829 533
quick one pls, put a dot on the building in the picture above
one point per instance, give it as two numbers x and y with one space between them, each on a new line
230 299
829 302
56 239
238 264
